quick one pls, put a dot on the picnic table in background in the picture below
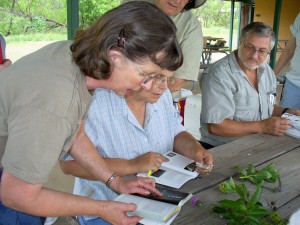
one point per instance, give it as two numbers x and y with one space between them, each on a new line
212 45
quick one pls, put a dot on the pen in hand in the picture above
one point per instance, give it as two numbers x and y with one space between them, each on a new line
149 173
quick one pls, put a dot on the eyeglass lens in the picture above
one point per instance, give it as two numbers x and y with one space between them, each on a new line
261 52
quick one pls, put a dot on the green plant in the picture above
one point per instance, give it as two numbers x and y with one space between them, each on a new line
247 209
268 174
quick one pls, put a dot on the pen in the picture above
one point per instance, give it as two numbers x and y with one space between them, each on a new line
149 173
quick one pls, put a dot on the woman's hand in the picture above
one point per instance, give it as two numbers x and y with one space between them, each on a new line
135 185
205 158
149 161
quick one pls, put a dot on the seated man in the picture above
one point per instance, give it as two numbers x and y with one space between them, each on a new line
132 133
239 92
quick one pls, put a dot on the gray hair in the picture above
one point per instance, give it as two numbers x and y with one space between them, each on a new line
260 29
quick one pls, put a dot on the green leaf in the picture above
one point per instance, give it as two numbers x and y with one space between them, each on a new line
232 184
242 191
259 212
241 170
228 203
218 209
251 169
262 175
255 198
253 180
253 220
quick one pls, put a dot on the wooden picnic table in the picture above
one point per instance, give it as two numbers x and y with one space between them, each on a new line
211 46
259 150
208 51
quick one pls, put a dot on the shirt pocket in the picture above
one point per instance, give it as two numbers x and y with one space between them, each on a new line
246 107
268 101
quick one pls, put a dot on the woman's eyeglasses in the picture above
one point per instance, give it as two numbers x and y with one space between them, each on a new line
156 77
160 79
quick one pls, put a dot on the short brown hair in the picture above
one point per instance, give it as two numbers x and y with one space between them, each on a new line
147 31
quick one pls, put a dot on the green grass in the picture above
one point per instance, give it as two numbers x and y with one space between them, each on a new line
62 35
222 33
51 36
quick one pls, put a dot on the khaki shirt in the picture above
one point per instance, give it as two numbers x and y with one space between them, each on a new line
43 98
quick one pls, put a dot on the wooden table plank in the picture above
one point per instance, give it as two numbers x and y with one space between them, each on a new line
290 207
287 202
256 149
286 161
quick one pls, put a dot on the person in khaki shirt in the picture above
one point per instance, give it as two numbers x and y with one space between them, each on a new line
44 97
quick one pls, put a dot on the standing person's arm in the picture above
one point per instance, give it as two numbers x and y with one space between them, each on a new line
124 167
36 200
32 198
191 42
286 55
84 152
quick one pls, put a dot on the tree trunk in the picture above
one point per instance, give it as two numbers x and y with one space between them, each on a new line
11 18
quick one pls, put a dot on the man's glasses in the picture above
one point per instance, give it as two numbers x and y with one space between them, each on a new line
251 49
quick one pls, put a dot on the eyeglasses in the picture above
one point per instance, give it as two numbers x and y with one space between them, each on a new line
157 78
148 77
252 50
160 79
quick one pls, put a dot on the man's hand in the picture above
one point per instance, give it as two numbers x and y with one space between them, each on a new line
116 213
294 112
137 185
275 126
148 161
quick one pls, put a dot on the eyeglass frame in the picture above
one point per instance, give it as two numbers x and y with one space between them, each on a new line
163 79
154 77
252 50
147 78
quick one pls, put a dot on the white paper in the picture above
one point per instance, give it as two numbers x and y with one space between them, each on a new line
147 208
153 211
294 131
175 175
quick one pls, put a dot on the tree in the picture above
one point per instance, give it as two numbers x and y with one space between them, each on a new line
30 16
25 16
214 13
91 10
